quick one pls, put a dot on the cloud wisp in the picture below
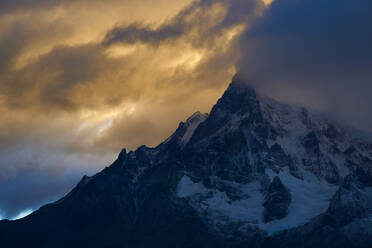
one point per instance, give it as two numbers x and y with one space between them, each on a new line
314 53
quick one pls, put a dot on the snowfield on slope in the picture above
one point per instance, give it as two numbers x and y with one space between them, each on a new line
310 197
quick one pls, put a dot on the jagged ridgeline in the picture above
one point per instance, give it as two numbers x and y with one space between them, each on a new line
252 173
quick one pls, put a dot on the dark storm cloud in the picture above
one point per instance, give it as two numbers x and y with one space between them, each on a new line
197 18
71 67
16 6
53 77
7 6
12 42
314 52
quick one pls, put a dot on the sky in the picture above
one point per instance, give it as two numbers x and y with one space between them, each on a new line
81 79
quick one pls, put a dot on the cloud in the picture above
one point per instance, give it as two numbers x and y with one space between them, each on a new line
315 53
32 175
199 23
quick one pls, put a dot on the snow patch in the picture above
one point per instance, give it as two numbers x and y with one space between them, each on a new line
310 197
186 187
247 210
218 204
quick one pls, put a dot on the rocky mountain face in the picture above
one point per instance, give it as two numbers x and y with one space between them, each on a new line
252 173
276 202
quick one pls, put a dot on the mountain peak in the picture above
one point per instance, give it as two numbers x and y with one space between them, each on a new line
196 117
185 130
239 97
239 85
